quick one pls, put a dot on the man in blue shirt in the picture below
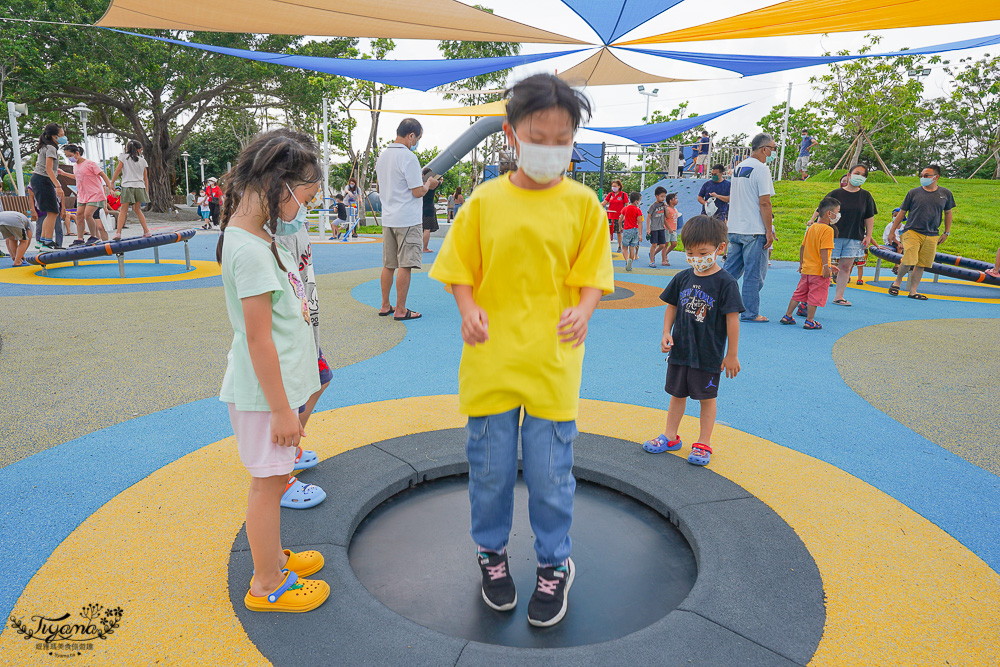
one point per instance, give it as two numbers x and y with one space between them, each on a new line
717 191
805 148
700 150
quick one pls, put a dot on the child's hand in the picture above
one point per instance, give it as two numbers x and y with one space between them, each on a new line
666 343
573 325
286 429
827 271
731 365
475 326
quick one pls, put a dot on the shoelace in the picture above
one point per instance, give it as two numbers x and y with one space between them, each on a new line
497 571
547 586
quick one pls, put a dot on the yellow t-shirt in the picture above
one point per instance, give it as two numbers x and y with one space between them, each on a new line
818 237
526 254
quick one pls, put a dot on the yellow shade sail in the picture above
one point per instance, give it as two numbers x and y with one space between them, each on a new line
605 68
403 19
498 108
811 17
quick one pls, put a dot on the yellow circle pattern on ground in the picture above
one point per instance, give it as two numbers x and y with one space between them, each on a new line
31 275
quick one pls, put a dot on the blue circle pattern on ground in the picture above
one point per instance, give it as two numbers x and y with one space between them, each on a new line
110 270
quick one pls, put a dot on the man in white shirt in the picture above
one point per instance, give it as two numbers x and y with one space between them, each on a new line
401 189
750 223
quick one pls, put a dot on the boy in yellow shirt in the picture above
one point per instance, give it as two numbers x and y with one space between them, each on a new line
814 265
526 293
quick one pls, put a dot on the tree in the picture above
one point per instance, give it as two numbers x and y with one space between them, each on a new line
803 118
154 92
973 109
453 50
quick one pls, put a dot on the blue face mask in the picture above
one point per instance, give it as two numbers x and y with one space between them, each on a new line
63 140
926 182
770 158
289 227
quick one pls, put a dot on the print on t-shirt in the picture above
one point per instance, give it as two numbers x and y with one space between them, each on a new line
696 302
300 291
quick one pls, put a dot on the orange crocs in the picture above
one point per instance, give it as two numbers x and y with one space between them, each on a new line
293 596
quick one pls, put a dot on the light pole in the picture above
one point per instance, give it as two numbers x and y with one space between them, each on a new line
13 111
202 162
83 111
187 184
642 91
784 131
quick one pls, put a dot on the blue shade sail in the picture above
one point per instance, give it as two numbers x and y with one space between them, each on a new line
651 134
611 19
416 74
749 65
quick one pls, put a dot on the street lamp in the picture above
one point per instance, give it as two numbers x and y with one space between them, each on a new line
187 185
13 111
83 111
202 162
651 94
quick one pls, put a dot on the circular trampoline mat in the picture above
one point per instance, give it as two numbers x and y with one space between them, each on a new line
414 554
92 271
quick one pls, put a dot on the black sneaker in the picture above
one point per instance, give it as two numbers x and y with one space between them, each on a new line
498 587
76 243
548 603
52 245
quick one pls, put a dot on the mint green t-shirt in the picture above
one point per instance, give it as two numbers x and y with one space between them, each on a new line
249 269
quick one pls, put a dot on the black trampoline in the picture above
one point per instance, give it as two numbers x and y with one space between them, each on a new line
414 554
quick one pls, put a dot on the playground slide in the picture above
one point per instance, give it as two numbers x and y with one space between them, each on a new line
109 248
960 272
471 138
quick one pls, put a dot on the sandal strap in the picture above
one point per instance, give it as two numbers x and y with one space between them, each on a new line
291 483
290 579
702 447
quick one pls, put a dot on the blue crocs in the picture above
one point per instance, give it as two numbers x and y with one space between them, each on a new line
662 443
306 459
299 496
700 454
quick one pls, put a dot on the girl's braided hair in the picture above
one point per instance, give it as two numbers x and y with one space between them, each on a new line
272 160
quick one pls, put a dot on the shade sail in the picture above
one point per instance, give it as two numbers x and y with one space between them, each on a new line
404 19
651 134
418 74
611 19
813 17
498 108
748 65
604 68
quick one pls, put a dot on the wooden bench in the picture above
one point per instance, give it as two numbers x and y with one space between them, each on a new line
14 203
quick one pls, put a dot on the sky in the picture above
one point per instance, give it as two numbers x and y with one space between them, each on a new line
623 105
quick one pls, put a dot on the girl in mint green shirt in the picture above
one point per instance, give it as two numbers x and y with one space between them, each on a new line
271 369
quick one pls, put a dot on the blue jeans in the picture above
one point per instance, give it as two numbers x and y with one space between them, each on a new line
746 257
547 452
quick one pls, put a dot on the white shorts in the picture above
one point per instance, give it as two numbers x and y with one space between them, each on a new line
701 159
802 163
261 457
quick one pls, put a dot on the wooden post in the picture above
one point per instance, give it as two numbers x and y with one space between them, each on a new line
879 158
849 149
984 162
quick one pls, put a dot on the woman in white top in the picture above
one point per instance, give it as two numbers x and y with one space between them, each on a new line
135 184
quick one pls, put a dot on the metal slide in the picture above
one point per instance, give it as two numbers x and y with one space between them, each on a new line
462 146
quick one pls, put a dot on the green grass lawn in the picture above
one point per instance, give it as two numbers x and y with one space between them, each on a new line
975 230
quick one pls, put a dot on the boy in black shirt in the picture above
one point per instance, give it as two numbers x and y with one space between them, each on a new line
703 311
341 218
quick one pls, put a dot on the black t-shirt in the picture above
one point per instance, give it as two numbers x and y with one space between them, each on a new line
341 211
700 325
855 208
429 200
924 209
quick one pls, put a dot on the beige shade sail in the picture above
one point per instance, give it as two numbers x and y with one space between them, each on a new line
498 108
605 68
813 17
403 19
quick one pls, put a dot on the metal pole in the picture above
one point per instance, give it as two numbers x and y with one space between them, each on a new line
201 161
16 140
187 182
324 216
86 148
642 179
784 131
187 255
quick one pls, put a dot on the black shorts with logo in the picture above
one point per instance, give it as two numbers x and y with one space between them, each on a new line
684 382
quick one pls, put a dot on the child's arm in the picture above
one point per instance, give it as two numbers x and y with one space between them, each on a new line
895 224
145 179
668 324
573 323
730 363
286 430
111 187
827 270
475 321
118 171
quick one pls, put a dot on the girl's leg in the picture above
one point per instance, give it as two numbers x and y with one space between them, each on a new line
707 421
547 448
843 277
122 217
49 225
492 451
675 413
99 224
861 273
142 218
81 226
264 532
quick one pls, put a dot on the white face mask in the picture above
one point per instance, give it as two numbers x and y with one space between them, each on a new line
614 188
702 263
543 164
836 217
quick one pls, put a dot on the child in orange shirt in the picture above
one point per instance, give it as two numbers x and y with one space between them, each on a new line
814 265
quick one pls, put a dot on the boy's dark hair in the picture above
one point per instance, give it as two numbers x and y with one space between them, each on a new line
933 167
704 133
703 229
545 91
828 204
719 167
272 160
409 126
672 195
73 148
48 137
339 197
660 191
634 197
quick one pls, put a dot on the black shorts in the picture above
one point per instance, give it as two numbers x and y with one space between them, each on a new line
45 194
658 237
684 382
430 223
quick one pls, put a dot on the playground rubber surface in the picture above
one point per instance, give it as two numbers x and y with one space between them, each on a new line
873 439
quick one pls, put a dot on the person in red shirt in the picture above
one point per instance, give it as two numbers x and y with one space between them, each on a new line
631 219
214 195
615 202
115 199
